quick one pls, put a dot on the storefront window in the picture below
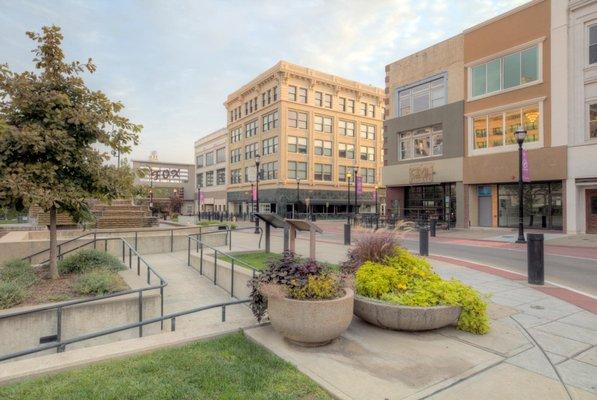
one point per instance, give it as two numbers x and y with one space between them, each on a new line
542 205
431 201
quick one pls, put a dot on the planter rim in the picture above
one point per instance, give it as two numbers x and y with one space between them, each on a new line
396 305
348 292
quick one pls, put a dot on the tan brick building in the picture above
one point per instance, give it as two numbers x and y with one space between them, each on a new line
310 129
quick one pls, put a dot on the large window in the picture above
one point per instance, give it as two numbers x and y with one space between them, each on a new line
292 93
221 155
342 169
200 180
367 153
297 145
350 106
200 161
209 158
251 129
323 148
593 44
235 135
250 151
235 176
593 121
323 124
270 121
346 150
270 146
297 170
497 130
363 109
318 99
419 143
342 103
323 172
542 206
235 156
221 176
297 119
269 171
368 175
422 97
518 68
209 178
302 95
346 128
368 132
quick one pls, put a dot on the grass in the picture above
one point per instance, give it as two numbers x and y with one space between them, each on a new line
229 367
258 260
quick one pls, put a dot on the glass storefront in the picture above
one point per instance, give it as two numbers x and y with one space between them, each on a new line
424 202
542 205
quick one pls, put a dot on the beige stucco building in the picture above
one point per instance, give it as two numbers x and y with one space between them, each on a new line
310 129
211 171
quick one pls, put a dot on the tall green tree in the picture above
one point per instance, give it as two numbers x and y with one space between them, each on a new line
52 127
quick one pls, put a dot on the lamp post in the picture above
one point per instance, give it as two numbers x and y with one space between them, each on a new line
348 176
257 162
298 197
252 208
356 193
376 209
521 134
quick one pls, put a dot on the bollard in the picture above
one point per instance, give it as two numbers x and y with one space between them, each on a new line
424 242
535 259
347 234
433 226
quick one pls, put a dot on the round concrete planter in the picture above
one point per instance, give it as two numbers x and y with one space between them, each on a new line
311 322
404 318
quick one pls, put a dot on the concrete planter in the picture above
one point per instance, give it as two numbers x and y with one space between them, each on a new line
311 322
404 318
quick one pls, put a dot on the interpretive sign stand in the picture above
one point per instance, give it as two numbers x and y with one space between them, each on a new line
270 220
305 226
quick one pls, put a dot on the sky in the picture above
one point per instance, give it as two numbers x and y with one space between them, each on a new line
173 63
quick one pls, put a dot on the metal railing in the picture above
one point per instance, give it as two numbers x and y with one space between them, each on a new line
61 344
200 247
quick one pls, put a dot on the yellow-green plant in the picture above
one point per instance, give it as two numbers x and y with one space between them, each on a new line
409 280
317 287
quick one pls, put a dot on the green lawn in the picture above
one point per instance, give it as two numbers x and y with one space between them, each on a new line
258 260
230 367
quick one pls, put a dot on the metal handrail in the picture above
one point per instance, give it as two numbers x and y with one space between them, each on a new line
61 345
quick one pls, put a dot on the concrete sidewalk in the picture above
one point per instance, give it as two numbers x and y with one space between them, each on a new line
539 347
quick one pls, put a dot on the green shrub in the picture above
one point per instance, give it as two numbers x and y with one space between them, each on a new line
317 287
409 280
97 283
11 294
18 271
87 260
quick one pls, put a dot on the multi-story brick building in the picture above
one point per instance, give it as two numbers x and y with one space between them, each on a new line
310 130
211 171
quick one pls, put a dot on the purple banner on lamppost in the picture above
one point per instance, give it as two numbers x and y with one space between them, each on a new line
200 197
359 183
526 176
254 194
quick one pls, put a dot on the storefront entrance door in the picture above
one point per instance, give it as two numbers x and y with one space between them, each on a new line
591 201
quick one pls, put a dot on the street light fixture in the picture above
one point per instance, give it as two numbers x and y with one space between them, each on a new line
298 197
520 134
257 162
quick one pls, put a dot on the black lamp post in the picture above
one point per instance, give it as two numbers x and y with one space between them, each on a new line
257 162
356 194
298 197
252 207
348 176
376 210
521 134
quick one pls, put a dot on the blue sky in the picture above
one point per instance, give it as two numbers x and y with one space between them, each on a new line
172 63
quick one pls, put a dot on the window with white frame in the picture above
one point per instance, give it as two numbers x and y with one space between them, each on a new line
350 106
209 158
292 93
363 109
323 172
323 124
221 155
367 131
420 143
498 129
323 148
235 156
269 171
221 176
270 121
200 161
250 150
270 146
297 145
200 180
509 71
593 121
297 119
342 103
302 95
297 170
235 135
342 169
251 129
346 128
593 44
368 175
209 178
346 150
235 176
318 99
327 100
367 153
371 110
422 97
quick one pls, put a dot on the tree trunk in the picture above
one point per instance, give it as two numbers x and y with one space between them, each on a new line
53 245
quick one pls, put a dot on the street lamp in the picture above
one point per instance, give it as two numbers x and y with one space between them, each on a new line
298 198
376 209
257 162
520 134
356 193
348 176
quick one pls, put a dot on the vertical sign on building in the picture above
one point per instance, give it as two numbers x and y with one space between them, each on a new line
201 197
254 194
359 184
526 176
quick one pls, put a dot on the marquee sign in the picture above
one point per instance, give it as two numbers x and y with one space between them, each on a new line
164 174
421 174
